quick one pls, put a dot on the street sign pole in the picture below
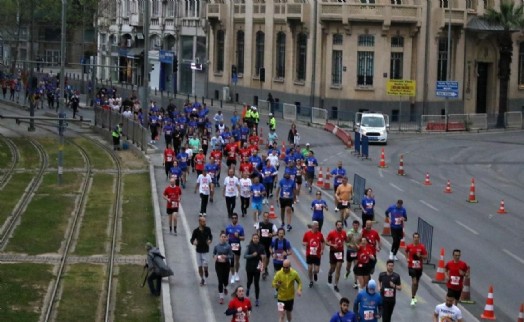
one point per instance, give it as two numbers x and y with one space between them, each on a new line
399 110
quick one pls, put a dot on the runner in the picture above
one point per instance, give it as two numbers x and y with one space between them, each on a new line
176 173
212 168
343 197
216 154
363 265
183 160
239 306
447 311
266 230
230 191
314 242
398 217
456 270
311 163
257 196
204 185
338 173
368 303
354 236
223 255
284 282
368 206
318 205
374 240
235 234
231 152
389 284
172 195
169 157
201 239
269 174
286 194
245 192
255 256
335 240
200 161
416 254
280 249
345 315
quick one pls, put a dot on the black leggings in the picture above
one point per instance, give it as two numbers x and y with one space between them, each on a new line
244 204
230 205
269 188
387 310
397 235
203 203
256 277
222 270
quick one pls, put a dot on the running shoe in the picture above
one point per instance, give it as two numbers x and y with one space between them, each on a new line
256 302
206 273
247 292
413 302
232 280
355 286
315 277
225 290
237 278
336 209
289 227
330 279
336 289
310 284
202 282
347 275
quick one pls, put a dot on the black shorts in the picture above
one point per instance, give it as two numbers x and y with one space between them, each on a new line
333 259
171 211
415 273
349 253
310 175
313 260
288 305
340 206
230 162
298 179
362 269
277 266
286 202
454 294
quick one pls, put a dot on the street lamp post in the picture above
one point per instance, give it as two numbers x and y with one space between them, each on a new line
61 100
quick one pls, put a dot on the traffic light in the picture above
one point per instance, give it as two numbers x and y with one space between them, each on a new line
233 70
175 65
262 74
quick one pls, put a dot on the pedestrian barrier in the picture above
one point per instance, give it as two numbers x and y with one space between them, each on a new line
359 186
489 308
264 107
502 208
400 170
433 123
425 231
386 230
448 187
465 295
357 143
330 127
319 115
427 181
472 198
382 163
477 121
440 276
289 111
344 137
513 120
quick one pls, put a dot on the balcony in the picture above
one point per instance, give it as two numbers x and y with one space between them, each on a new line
385 13
458 16
239 11
217 12
292 12
259 12
136 20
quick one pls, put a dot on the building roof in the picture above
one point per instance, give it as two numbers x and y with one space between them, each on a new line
480 24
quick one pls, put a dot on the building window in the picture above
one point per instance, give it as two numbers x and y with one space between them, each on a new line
301 57
397 64
240 52
338 39
336 68
365 61
367 1
154 8
220 51
170 11
397 42
366 40
444 4
443 59
521 63
281 55
396 1
192 8
259 52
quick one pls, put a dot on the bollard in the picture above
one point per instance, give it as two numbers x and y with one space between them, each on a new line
195 98
220 103
188 97
202 100
155 91
211 102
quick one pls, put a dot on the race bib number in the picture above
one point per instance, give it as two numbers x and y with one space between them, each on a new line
369 315
240 317
256 193
344 202
318 206
169 158
389 292
353 254
313 250
174 204
455 280
230 189
205 187
338 255
280 255
285 194
231 154
398 221
235 246
265 232
416 264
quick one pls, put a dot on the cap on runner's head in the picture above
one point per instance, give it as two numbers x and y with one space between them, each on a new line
307 144
270 114
372 285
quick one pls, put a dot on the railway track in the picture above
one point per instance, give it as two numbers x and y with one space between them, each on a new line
14 161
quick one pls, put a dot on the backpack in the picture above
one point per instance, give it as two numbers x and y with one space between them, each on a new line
160 266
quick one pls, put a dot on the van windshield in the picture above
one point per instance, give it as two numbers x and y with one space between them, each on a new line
372 122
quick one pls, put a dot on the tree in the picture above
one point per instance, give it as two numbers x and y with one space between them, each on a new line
511 19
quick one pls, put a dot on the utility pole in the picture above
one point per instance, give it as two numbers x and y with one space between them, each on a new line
31 87
448 78
61 99
145 68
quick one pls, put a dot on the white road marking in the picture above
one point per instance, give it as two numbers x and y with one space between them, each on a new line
414 181
428 205
473 231
380 172
513 255
396 187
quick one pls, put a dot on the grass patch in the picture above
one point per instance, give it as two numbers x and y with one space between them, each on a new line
72 157
29 158
84 280
46 217
138 226
100 159
22 290
133 302
12 192
93 232
133 161
5 155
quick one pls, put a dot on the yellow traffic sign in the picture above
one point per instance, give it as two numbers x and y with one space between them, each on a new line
401 87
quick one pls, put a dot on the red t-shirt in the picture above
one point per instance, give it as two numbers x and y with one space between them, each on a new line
217 155
245 152
364 255
231 151
253 140
373 238
338 238
411 251
245 304
200 162
314 243
169 155
246 167
456 280
173 194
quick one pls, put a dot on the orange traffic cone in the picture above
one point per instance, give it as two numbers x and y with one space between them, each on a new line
465 296
327 183
521 313
400 171
489 313
386 231
403 241
272 214
440 276
502 209
382 163
320 179
283 151
448 187
427 181
472 198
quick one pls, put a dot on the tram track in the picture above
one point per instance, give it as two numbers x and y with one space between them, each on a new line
14 161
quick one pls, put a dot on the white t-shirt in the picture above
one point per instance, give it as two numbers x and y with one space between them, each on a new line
273 160
448 314
231 186
204 182
189 153
245 187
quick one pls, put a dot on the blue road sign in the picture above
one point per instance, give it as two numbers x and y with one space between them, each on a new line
447 89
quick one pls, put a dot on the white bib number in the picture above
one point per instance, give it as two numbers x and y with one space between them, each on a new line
235 246
344 202
174 204
455 280
398 221
416 264
265 232
369 315
389 292
169 158
313 250
338 255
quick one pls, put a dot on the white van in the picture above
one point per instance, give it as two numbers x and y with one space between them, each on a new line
373 125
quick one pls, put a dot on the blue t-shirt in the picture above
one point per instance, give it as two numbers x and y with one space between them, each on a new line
182 160
176 171
287 188
289 158
367 305
236 134
230 232
212 169
256 161
318 209
278 248
368 203
234 120
292 172
348 317
338 174
168 129
256 190
395 214
244 133
267 173
311 163
226 135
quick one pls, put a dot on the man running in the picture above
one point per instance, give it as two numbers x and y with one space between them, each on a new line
447 311
284 281
286 192
368 303
280 249
201 239
314 242
172 195
235 235
354 236
398 216
338 173
318 205
343 197
230 191
416 253
389 284
456 270
266 230
204 185
345 315
335 240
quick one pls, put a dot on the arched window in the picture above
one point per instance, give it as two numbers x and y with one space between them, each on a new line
219 51
240 52
281 55
259 52
301 58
